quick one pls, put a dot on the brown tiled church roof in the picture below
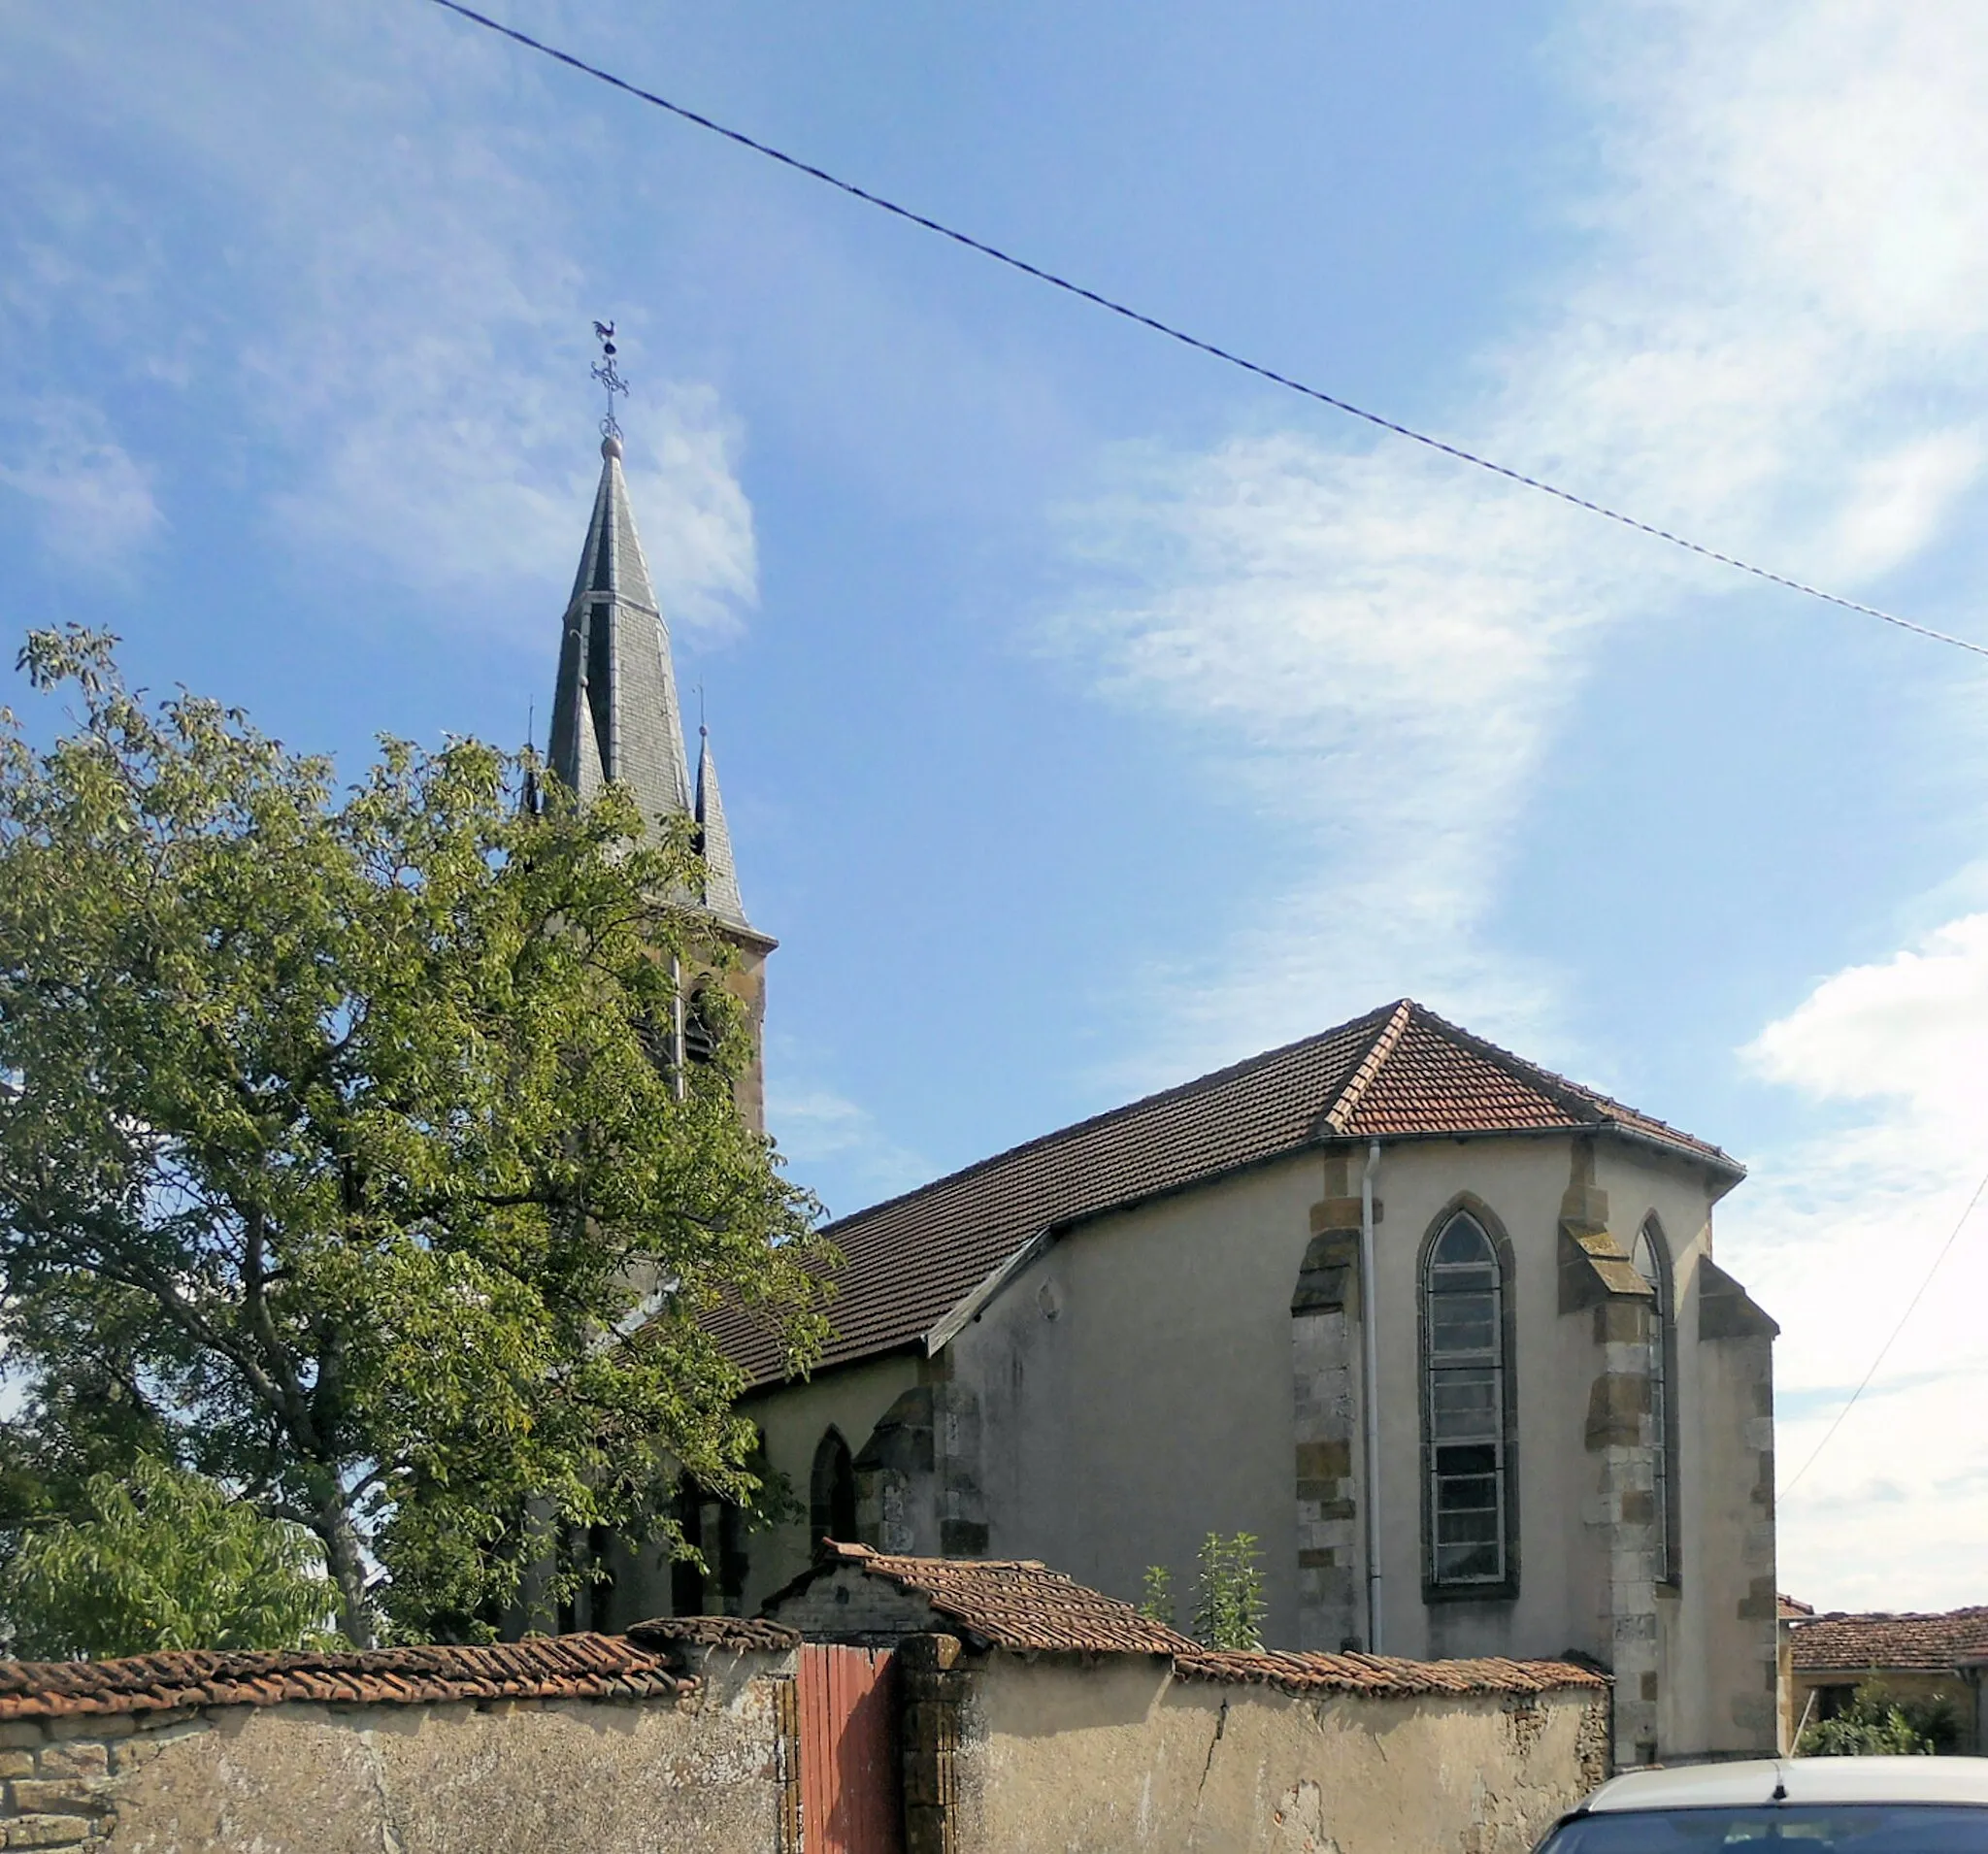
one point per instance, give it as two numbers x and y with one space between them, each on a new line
1021 1605
1917 1643
574 1667
1398 1073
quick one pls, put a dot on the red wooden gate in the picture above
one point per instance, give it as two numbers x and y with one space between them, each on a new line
849 1783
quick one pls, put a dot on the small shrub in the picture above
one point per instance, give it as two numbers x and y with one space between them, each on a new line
1230 1613
1876 1725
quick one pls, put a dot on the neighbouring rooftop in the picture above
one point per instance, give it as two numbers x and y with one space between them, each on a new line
1884 1642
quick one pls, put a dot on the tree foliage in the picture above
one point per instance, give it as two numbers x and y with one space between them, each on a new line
1230 1610
1875 1724
1156 1600
338 1135
164 1559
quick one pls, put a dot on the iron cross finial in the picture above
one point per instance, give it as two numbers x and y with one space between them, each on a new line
610 377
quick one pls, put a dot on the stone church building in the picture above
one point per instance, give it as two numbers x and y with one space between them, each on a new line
1441 1329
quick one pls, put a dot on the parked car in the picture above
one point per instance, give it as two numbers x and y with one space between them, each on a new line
1821 1806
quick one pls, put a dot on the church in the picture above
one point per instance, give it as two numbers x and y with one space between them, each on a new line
1442 1330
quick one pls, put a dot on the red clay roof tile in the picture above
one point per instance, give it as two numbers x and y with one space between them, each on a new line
1021 1605
554 1668
1935 1643
1398 1073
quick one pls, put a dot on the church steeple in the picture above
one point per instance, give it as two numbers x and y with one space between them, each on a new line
615 717
615 713
714 840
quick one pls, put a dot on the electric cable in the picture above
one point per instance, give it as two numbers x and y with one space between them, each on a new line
1891 1339
1195 341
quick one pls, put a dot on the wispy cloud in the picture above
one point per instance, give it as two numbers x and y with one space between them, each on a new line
408 286
1839 1234
1783 251
93 501
840 1145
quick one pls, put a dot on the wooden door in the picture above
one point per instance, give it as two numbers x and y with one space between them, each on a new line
851 1789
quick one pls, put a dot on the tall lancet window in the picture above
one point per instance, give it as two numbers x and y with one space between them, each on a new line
1466 1431
1652 1259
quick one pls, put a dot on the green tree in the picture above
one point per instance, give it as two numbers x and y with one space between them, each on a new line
1230 1610
165 1559
1156 1605
1875 1724
337 1130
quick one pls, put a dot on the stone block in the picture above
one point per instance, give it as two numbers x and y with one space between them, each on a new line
1335 1216
1617 1404
1638 1506
1621 1322
1317 1558
1325 1461
77 1758
963 1537
17 1732
66 1796
93 1725
1757 1604
46 1831
16 1764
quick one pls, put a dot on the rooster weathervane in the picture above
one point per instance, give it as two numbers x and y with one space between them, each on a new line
610 377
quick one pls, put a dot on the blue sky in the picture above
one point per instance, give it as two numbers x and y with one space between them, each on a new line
1090 714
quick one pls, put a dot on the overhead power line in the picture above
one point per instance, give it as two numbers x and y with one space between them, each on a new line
1891 1339
1195 341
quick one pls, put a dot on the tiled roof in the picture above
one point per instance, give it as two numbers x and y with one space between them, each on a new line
1021 1605
1922 1643
717 1631
1383 1675
1398 1073
1792 1609
1017 1604
574 1667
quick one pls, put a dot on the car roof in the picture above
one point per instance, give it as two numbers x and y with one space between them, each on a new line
1697 1786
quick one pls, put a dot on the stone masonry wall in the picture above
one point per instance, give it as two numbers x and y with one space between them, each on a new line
702 1775
1325 1391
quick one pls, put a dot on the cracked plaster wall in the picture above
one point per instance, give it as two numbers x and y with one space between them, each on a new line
1128 1758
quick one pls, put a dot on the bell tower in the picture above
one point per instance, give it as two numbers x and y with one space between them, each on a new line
615 718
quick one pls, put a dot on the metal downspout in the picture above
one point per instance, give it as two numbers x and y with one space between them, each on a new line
1370 1394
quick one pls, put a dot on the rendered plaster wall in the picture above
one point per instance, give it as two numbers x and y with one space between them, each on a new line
794 1418
1126 1758
696 1776
1144 1382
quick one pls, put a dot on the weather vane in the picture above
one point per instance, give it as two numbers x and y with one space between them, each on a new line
610 377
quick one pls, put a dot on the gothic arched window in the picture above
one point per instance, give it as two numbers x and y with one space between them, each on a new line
700 1038
1466 1405
1652 1260
832 1493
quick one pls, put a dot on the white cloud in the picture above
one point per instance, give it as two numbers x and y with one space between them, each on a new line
93 501
408 293
1374 649
831 1135
1839 1234
1786 245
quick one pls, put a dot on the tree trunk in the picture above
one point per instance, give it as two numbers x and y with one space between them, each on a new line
348 1567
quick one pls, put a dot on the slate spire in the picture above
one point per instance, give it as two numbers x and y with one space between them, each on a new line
615 713
714 840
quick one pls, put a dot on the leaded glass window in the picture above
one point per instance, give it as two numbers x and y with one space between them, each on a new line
1651 1264
1469 1490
